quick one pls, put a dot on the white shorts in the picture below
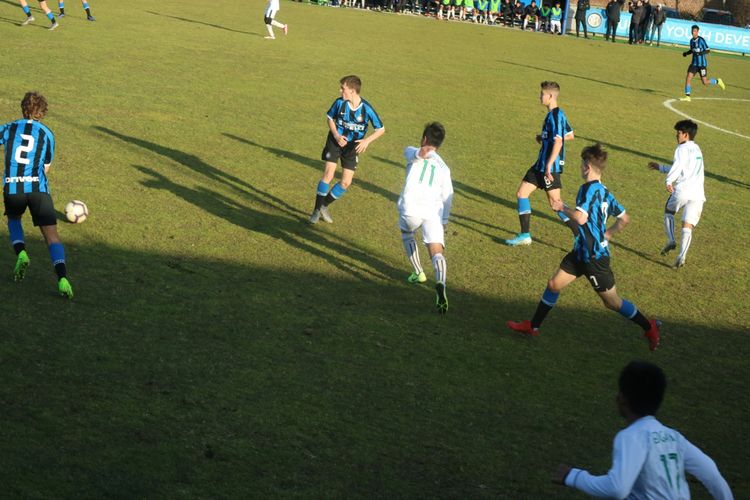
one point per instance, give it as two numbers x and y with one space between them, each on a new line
432 229
691 209
270 13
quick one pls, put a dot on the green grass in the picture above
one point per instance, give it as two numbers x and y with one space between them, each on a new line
218 346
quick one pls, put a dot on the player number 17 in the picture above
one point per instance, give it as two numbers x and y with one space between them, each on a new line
666 459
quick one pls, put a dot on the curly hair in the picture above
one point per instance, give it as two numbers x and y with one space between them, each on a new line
34 106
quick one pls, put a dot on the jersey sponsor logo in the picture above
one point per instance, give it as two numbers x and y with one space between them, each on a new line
355 127
28 178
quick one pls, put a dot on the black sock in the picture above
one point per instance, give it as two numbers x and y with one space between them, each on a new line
525 222
541 312
28 14
329 199
62 10
319 201
88 12
641 320
19 247
61 270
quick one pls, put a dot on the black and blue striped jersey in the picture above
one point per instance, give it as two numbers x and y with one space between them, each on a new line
29 146
351 122
598 203
698 46
555 125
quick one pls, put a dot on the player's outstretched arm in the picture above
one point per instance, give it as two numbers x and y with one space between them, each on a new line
701 466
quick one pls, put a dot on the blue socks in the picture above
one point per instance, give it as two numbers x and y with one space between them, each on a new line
549 297
628 309
713 81
61 5
524 206
688 88
57 253
85 6
562 216
51 16
26 10
323 188
16 231
337 191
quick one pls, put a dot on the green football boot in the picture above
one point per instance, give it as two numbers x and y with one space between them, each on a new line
441 302
63 286
22 263
417 278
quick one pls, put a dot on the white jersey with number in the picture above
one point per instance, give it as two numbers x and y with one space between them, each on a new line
687 172
428 190
649 461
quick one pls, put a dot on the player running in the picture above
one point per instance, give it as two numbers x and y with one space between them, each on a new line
29 150
348 120
268 17
89 17
590 255
685 187
546 172
649 459
47 12
699 49
425 202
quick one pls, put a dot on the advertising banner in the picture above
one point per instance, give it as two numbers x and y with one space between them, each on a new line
677 31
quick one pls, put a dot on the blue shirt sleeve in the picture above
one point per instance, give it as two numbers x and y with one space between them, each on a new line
373 117
333 111
3 133
583 199
702 44
615 209
50 149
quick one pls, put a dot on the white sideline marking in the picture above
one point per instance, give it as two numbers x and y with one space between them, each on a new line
668 105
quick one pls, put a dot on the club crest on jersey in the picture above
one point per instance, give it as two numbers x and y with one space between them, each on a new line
360 118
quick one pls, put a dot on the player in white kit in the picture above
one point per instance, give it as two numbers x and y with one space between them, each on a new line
268 17
649 460
685 186
425 202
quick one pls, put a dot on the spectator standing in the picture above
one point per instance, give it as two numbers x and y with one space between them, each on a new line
636 10
581 8
613 18
646 20
660 17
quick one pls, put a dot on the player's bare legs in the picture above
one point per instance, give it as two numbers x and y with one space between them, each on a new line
524 214
49 14
27 11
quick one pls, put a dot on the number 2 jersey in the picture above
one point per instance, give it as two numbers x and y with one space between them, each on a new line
428 190
29 146
649 461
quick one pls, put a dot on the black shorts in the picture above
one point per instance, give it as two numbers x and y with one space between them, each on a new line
537 178
597 271
40 205
348 154
697 69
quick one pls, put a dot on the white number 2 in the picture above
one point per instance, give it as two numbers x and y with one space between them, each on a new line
24 149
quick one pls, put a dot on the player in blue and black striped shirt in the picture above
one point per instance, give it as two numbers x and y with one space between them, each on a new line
699 49
29 150
545 172
348 120
590 254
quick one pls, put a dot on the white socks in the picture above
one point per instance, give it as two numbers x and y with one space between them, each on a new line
687 237
669 227
412 253
440 267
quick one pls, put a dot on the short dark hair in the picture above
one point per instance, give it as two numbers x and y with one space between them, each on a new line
595 155
353 82
434 133
643 385
688 127
547 85
33 106
695 27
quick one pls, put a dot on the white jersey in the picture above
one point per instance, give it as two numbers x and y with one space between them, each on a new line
687 172
649 461
428 190
272 6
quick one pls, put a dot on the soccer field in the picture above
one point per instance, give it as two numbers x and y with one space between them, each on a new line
219 346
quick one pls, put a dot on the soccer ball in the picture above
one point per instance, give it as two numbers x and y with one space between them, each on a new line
76 211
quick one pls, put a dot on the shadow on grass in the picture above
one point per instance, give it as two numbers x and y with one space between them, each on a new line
176 374
711 175
315 165
581 77
193 21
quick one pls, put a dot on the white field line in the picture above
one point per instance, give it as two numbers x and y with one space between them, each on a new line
668 105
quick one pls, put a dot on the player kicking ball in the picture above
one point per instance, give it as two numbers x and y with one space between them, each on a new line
348 120
29 150
685 179
546 172
268 17
590 255
699 49
425 203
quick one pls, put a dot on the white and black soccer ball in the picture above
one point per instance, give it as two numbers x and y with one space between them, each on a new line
76 211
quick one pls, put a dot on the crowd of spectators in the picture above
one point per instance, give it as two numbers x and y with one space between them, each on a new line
646 20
